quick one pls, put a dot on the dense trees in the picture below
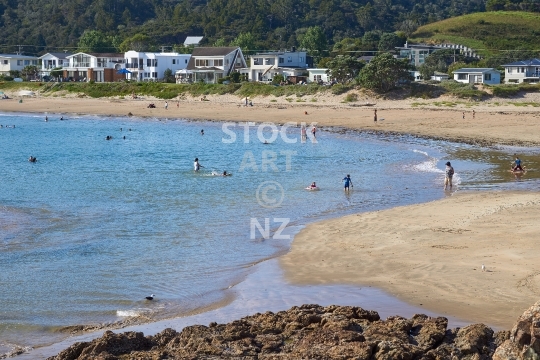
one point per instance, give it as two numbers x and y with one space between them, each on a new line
344 68
51 25
384 73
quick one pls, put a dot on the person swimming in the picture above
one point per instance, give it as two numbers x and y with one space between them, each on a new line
202 132
313 185
32 159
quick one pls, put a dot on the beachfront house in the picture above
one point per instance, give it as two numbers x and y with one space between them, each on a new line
149 66
209 64
522 71
99 67
264 66
318 76
439 76
488 76
51 61
416 54
14 62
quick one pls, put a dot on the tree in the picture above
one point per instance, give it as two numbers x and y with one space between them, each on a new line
246 41
370 40
29 71
389 42
496 5
95 41
168 76
314 41
344 68
138 42
408 27
439 61
57 72
384 73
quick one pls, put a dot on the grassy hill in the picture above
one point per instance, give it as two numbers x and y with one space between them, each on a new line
486 32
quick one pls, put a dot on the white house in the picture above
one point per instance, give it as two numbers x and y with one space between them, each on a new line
10 62
209 64
318 75
264 66
148 66
487 76
439 76
100 67
51 61
522 71
415 75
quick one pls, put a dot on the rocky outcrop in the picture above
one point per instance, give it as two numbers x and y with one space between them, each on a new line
523 342
316 332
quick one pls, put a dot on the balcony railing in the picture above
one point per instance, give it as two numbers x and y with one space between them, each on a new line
533 74
81 64
134 66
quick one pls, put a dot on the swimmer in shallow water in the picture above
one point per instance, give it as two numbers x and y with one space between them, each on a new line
32 159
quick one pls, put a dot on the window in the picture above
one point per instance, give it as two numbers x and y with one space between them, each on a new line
201 62
154 75
257 61
509 70
6 62
19 62
289 58
60 62
269 61
317 78
186 61
174 61
281 60
521 70
218 62
301 59
226 62
487 77
148 62
26 62
462 76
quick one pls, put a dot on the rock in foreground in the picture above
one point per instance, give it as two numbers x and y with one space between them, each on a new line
316 332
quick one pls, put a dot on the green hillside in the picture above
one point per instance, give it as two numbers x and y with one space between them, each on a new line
490 33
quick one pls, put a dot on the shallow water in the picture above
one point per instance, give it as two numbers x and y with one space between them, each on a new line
94 225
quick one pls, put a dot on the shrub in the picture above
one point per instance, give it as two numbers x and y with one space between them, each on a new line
351 97
339 89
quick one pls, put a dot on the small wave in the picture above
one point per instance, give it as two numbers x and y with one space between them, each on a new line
133 312
420 152
428 166
11 350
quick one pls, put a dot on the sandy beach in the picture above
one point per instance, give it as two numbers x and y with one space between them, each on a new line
431 254
503 121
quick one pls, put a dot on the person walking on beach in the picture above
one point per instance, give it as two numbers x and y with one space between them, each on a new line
166 105
196 165
375 115
449 173
178 104
347 182
473 114
463 116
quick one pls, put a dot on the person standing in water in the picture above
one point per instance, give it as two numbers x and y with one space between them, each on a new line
449 173
517 166
347 182
314 131
196 165
303 133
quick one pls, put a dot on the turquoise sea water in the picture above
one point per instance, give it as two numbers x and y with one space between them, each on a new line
94 226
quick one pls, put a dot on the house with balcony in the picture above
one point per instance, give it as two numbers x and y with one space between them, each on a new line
12 62
149 66
488 76
51 61
209 64
522 71
264 66
100 67
416 54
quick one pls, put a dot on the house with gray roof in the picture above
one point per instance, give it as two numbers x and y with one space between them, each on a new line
522 71
193 40
53 60
209 64
488 76
11 62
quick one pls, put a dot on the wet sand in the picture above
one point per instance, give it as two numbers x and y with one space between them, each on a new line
431 254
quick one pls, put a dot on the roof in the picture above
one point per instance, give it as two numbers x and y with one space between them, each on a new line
59 55
18 56
473 70
274 53
193 40
213 51
437 73
531 62
107 55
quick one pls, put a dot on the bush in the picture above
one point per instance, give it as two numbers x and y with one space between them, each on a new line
235 77
461 90
351 97
508 90
223 79
278 79
339 89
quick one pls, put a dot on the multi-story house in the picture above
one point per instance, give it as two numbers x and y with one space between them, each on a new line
209 64
51 61
522 71
100 67
148 66
264 66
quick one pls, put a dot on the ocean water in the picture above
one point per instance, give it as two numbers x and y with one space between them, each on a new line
96 225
